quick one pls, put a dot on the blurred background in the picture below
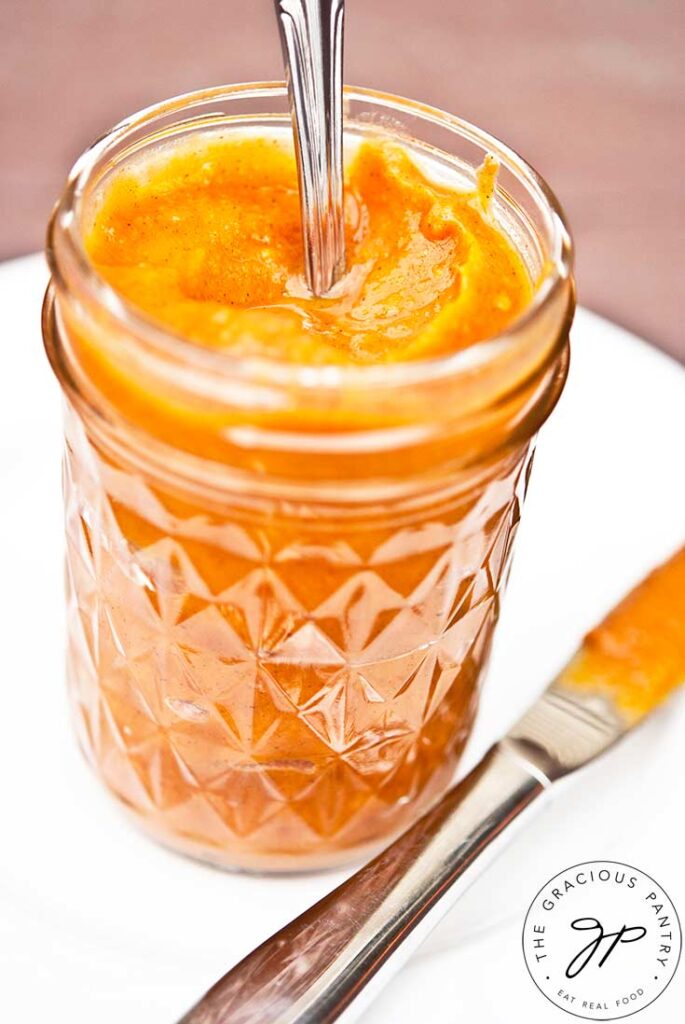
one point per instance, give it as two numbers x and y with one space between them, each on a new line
591 92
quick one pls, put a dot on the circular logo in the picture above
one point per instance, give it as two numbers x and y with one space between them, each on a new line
601 940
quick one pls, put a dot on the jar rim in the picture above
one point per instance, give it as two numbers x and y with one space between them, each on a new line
68 260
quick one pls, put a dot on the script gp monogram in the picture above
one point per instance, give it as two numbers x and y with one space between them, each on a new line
583 958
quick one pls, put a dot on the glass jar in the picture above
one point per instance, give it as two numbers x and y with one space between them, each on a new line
283 580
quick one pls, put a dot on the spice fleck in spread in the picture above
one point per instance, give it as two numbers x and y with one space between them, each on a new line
208 241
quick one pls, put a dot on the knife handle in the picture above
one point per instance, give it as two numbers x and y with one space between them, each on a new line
327 964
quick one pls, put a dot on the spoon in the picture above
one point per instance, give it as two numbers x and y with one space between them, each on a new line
312 39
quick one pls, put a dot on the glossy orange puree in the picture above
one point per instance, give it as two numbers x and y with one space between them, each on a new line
206 238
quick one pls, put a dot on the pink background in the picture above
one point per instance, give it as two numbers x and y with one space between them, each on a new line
590 91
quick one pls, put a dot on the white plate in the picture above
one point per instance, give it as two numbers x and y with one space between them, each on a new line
100 926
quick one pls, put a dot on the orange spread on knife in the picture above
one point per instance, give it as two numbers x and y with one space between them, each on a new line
637 655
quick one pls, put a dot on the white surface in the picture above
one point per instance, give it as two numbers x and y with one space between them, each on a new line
100 926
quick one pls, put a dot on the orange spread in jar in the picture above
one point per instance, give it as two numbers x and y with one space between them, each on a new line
267 682
206 239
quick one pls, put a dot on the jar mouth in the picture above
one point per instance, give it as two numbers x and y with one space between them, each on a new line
71 267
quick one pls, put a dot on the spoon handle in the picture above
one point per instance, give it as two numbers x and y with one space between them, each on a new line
312 39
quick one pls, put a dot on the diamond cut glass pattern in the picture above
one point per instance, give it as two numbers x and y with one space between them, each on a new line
274 692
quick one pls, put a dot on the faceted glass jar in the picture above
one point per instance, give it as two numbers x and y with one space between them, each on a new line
283 580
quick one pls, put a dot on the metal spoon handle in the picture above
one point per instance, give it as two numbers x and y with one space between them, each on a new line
312 40
328 964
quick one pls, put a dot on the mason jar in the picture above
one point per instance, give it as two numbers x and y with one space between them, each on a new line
283 579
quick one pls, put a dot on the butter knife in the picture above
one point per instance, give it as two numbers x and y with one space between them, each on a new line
328 963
